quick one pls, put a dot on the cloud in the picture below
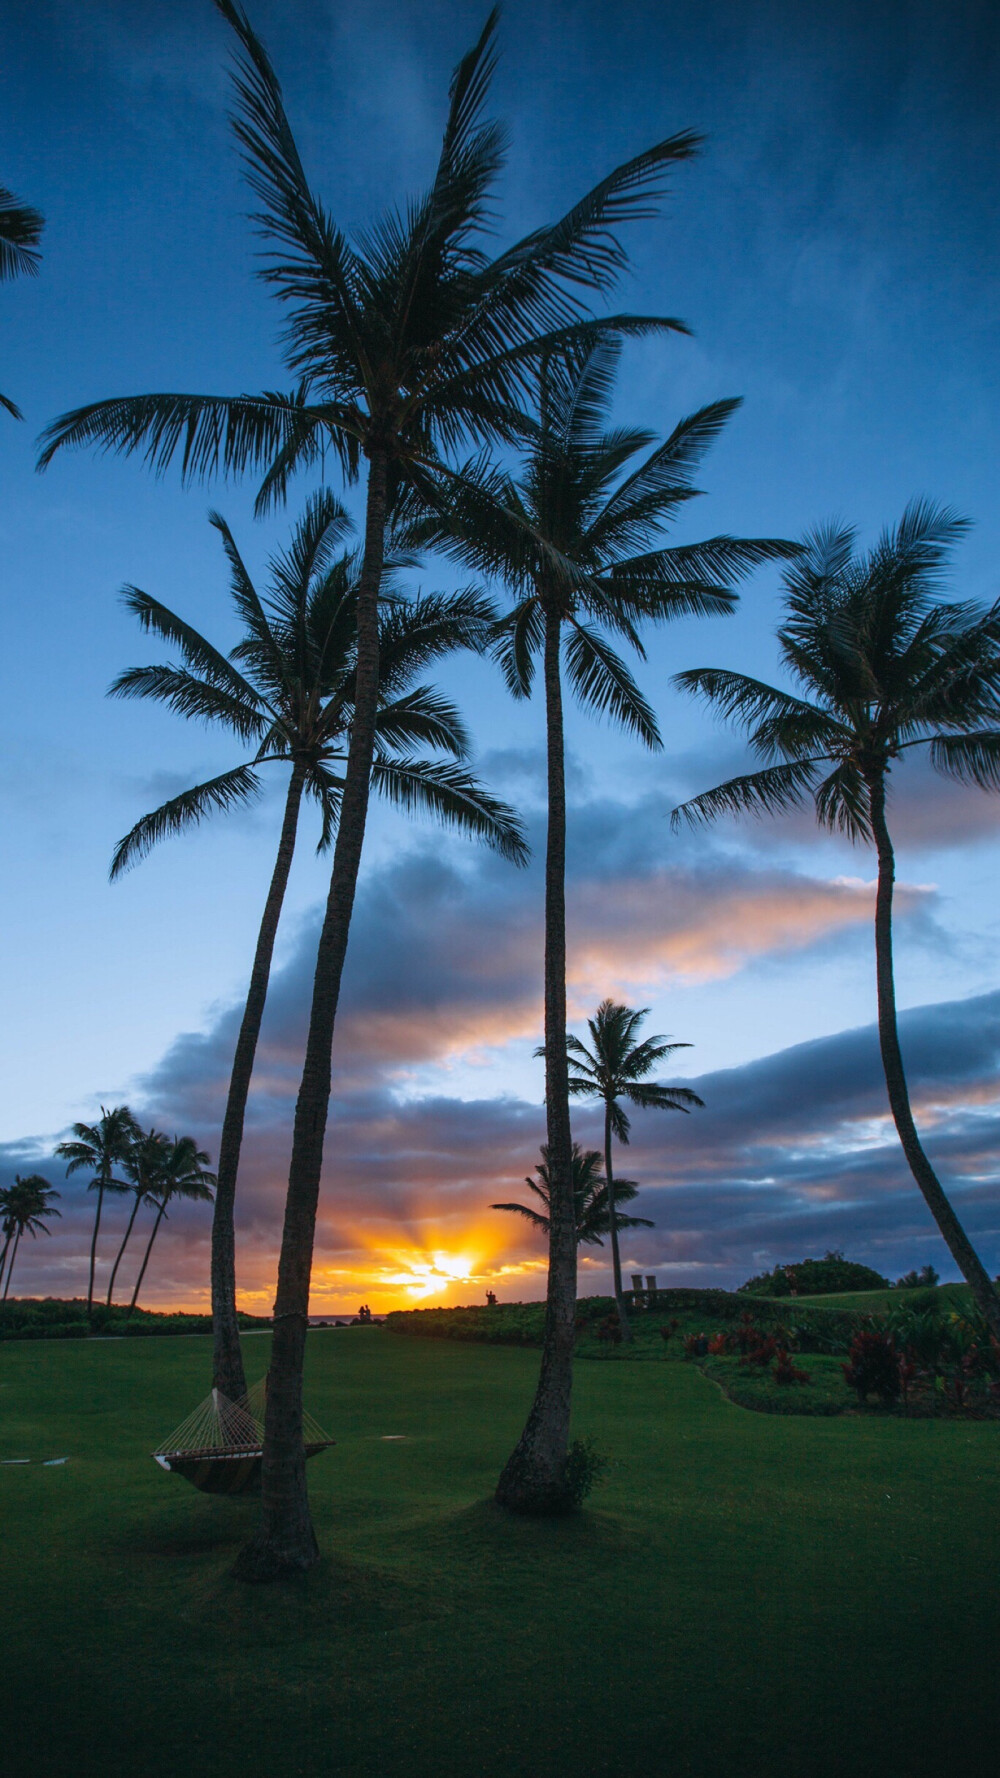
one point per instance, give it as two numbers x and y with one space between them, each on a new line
793 1152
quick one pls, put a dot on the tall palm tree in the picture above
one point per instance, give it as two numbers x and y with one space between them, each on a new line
101 1148
407 342
182 1172
142 1167
287 690
591 1204
884 667
24 1207
616 1067
20 232
577 540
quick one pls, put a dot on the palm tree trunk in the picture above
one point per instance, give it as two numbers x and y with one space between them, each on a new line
227 1357
286 1543
959 1245
121 1250
10 1268
3 1253
93 1250
534 1477
616 1260
142 1270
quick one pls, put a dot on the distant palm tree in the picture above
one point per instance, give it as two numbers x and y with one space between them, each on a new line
615 1068
592 1213
287 690
576 538
404 344
885 667
20 232
23 1209
143 1167
101 1148
181 1173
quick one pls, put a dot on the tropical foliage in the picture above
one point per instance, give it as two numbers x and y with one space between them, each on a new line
24 1208
286 692
591 1206
884 667
102 1150
20 232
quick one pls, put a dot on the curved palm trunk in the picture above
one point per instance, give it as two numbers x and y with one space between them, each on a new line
121 1250
3 1253
959 1245
616 1261
142 1270
93 1251
10 1268
534 1477
227 1357
286 1543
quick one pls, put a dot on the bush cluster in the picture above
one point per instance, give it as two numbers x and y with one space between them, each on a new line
55 1318
815 1277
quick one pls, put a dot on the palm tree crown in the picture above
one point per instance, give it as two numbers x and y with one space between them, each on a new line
288 688
100 1148
616 1066
24 1207
20 232
590 1198
884 667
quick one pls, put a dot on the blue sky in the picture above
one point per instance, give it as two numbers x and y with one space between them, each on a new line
834 250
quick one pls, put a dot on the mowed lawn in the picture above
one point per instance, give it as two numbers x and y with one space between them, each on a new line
746 1594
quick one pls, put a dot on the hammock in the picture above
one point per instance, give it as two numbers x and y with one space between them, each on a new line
219 1447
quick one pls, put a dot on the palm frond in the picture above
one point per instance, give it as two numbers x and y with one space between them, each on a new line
971 759
215 434
454 797
198 653
20 232
230 790
190 696
766 792
423 717
602 681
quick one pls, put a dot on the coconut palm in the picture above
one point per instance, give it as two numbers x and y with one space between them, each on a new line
20 232
101 1148
884 668
616 1067
592 1211
24 1207
577 539
287 691
142 1167
180 1172
404 343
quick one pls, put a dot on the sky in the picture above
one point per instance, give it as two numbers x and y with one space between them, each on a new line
834 250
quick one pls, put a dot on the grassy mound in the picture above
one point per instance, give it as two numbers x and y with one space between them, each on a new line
746 1592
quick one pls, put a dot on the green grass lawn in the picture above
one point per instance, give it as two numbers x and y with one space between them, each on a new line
747 1594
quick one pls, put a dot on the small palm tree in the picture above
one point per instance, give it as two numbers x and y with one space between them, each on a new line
101 1148
616 1067
142 1167
24 1206
577 539
403 344
181 1172
287 690
884 668
20 232
592 1210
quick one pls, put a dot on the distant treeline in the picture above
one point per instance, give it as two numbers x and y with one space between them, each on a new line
55 1318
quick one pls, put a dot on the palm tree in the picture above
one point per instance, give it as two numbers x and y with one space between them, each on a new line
143 1167
591 1207
288 691
405 343
23 1209
616 1068
577 538
180 1173
100 1147
885 667
20 232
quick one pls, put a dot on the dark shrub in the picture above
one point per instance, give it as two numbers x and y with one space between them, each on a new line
584 1466
610 1330
695 1345
786 1372
816 1277
873 1367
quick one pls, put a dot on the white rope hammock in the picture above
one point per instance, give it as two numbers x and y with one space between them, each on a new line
220 1445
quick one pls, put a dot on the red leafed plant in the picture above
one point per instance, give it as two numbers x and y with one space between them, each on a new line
786 1372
